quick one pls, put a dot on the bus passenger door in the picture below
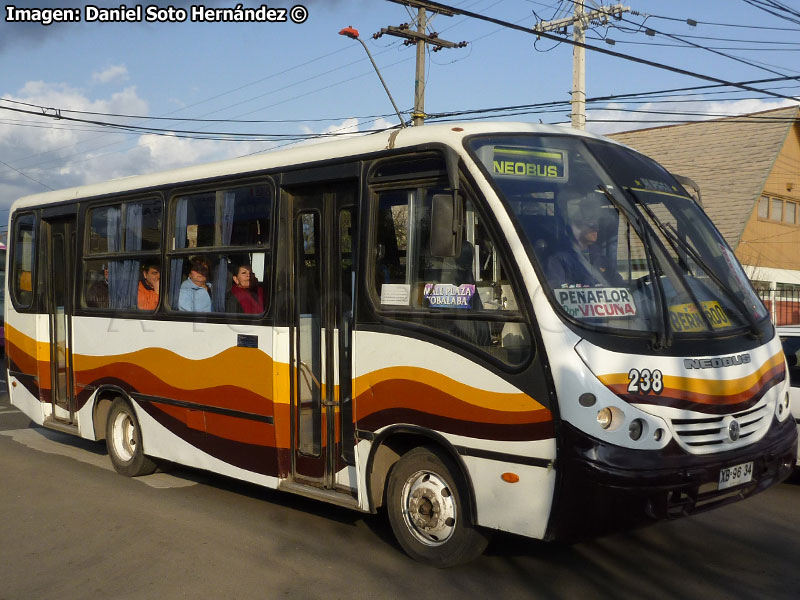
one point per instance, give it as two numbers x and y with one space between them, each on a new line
59 253
324 219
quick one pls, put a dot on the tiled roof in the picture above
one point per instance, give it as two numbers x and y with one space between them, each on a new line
730 159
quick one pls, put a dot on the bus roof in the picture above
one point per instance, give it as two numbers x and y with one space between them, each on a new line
449 133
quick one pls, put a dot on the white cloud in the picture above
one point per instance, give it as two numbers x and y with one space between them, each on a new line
347 128
655 114
112 73
60 153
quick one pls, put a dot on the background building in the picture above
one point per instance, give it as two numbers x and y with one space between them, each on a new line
748 172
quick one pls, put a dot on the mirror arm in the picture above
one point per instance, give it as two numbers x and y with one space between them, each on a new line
451 158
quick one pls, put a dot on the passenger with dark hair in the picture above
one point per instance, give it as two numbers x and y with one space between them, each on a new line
97 294
581 261
195 294
149 286
246 296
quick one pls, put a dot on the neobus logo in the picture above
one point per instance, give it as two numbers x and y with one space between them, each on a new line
713 363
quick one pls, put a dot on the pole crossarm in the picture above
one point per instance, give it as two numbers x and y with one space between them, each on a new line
414 36
599 15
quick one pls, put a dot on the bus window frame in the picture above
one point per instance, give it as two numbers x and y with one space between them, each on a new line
401 317
168 304
11 274
84 230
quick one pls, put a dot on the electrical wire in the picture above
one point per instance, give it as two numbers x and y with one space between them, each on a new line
698 46
620 55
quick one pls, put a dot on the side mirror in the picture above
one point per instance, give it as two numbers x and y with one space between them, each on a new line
446 221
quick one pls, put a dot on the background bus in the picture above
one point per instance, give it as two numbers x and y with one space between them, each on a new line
2 298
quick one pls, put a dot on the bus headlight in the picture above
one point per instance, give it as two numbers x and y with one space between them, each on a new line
604 418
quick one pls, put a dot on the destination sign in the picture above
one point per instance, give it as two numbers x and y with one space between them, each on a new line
685 318
527 163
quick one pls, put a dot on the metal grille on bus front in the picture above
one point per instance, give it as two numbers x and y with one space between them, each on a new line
710 434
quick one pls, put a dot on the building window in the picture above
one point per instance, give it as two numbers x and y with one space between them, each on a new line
763 207
789 212
778 210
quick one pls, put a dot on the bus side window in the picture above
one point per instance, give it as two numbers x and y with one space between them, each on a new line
466 296
236 281
22 260
122 263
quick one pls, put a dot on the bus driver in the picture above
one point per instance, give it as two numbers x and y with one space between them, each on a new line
581 260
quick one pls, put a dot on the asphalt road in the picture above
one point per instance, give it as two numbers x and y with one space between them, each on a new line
71 528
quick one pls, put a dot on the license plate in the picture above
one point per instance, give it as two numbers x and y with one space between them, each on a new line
735 475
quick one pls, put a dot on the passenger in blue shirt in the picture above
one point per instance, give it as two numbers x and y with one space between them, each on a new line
195 293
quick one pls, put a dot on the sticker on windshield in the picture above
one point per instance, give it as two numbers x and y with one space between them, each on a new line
395 294
528 163
685 318
586 303
447 295
653 185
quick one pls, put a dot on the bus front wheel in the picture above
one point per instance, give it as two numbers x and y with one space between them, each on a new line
427 506
124 442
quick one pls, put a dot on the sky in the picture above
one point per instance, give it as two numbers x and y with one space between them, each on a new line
294 80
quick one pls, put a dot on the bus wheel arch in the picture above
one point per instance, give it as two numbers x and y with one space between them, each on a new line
104 398
392 444
124 441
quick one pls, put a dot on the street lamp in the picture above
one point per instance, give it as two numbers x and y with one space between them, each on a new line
352 33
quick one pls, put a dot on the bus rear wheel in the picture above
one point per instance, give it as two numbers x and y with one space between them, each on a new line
124 442
427 506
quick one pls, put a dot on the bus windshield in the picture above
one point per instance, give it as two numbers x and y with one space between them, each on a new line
621 244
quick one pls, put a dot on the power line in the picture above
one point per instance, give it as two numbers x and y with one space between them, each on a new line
59 111
651 31
179 119
776 9
199 135
715 24
527 108
218 135
25 175
594 48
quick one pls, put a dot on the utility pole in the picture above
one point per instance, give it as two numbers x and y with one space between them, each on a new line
580 22
420 38
418 116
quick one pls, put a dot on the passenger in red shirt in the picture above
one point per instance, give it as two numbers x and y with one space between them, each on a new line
246 295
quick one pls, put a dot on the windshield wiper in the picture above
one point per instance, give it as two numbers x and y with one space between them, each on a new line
664 331
671 234
675 243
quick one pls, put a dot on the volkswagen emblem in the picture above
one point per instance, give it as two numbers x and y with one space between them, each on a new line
733 430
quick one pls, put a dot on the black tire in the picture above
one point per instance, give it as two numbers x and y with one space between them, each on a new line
124 442
428 508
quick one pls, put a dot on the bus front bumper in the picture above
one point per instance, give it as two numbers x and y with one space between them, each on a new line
605 488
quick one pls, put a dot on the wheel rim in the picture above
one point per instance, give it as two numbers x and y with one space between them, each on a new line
124 437
429 508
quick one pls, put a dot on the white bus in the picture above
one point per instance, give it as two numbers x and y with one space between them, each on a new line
476 327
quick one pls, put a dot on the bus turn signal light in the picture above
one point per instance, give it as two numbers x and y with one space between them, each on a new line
510 477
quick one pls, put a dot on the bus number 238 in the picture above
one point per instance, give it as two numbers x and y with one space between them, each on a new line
645 381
